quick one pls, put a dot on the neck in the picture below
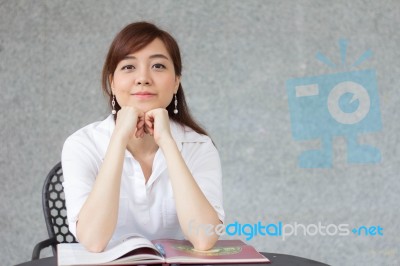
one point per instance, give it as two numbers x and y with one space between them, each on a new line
142 146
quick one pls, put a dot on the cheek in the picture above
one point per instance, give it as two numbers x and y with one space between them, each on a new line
121 82
172 83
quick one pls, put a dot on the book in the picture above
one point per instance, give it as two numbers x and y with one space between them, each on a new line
135 249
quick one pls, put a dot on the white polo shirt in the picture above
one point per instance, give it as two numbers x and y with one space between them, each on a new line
144 208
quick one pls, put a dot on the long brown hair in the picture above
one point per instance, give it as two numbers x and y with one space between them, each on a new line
134 37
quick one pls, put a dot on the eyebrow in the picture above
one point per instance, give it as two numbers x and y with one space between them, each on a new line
151 57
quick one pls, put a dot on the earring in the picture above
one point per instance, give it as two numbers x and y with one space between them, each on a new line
113 105
176 104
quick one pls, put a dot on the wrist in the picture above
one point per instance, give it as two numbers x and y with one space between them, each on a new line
166 141
120 138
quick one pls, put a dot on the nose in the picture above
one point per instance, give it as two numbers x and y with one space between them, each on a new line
143 79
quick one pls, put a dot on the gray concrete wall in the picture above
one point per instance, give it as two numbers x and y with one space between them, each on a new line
238 56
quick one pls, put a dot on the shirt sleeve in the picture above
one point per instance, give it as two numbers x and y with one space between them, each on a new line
205 166
80 169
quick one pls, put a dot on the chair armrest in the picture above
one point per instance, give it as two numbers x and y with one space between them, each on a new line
42 245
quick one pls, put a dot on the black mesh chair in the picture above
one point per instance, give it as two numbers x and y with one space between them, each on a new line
55 213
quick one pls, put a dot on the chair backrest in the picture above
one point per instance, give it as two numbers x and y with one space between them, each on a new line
55 212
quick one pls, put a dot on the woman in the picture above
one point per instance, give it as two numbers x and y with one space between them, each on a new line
148 168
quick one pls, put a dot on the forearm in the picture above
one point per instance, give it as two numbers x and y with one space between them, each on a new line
191 204
98 216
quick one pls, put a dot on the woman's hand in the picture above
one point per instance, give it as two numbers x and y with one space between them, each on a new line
130 122
157 124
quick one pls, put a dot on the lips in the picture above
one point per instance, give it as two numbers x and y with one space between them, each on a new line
143 95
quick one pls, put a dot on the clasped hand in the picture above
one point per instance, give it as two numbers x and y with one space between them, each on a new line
131 122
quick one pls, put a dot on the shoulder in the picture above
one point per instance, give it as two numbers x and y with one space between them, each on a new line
185 134
95 127
193 146
95 135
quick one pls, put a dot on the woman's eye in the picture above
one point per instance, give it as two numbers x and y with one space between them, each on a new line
158 66
128 67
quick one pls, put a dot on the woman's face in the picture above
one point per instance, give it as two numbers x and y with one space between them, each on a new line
145 79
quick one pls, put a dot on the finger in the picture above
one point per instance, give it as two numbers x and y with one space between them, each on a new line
149 128
149 121
149 124
140 125
139 132
140 122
